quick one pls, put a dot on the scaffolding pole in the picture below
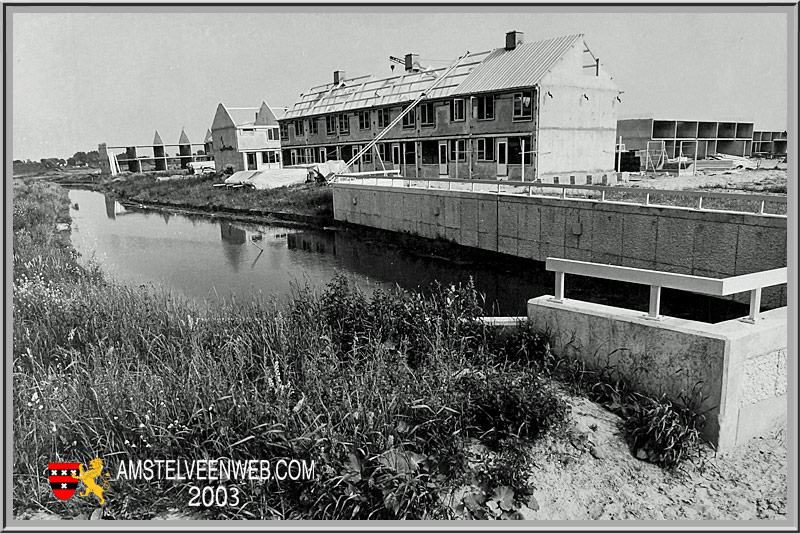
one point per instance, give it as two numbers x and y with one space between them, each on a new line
405 112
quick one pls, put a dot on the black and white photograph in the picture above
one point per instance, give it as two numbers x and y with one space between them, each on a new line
411 265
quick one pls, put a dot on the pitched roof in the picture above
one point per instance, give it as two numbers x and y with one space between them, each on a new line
209 137
368 91
184 138
494 70
157 139
525 66
265 116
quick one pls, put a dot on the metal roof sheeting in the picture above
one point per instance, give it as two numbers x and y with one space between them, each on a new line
494 70
525 66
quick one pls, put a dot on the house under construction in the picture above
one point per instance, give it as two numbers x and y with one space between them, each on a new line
244 138
538 110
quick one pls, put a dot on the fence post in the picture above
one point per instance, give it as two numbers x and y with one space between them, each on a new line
761 209
755 306
559 290
654 310
700 203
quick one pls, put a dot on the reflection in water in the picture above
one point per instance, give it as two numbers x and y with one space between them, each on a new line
505 282
113 208
211 259
233 238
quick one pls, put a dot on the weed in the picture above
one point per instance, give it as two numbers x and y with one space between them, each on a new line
375 391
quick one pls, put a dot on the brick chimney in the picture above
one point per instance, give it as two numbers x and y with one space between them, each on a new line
412 62
513 38
338 76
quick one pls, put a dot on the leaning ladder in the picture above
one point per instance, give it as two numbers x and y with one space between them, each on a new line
399 117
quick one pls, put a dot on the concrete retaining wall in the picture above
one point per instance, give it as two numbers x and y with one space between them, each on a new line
741 367
684 241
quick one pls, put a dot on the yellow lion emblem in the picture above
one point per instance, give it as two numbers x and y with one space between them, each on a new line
88 478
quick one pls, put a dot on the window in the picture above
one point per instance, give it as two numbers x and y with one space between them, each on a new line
457 110
248 131
485 107
409 120
298 128
410 153
430 152
366 157
313 126
272 134
384 117
363 120
460 146
523 105
252 164
265 157
284 130
309 156
293 157
515 147
330 125
486 149
382 151
269 157
344 124
426 114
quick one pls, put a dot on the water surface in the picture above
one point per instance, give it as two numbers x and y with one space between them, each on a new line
207 259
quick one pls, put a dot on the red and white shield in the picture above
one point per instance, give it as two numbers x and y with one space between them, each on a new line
61 480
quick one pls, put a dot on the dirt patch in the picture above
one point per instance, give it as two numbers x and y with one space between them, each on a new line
609 483
761 180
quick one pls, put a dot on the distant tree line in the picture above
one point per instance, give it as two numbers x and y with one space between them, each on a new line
79 159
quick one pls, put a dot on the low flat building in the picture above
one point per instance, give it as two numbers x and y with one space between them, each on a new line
543 110
245 139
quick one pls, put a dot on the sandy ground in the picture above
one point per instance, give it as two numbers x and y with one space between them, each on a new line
736 179
748 483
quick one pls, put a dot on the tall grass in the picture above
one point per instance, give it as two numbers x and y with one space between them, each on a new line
383 394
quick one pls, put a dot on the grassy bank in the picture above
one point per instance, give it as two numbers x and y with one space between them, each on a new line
384 395
197 192
388 396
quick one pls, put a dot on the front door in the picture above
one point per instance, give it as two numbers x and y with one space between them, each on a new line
357 163
502 157
443 158
397 157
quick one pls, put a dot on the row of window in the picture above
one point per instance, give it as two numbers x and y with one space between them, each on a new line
483 106
432 152
270 156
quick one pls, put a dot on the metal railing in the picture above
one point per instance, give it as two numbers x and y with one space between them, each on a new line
752 283
529 188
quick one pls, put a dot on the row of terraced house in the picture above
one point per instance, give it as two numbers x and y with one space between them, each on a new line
521 111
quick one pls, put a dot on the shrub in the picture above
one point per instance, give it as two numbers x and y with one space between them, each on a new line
664 433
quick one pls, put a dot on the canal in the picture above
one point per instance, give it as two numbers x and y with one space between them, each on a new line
208 259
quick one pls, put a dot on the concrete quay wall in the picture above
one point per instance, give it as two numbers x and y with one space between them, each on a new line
669 239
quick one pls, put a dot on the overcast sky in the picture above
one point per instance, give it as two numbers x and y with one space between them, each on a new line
80 79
